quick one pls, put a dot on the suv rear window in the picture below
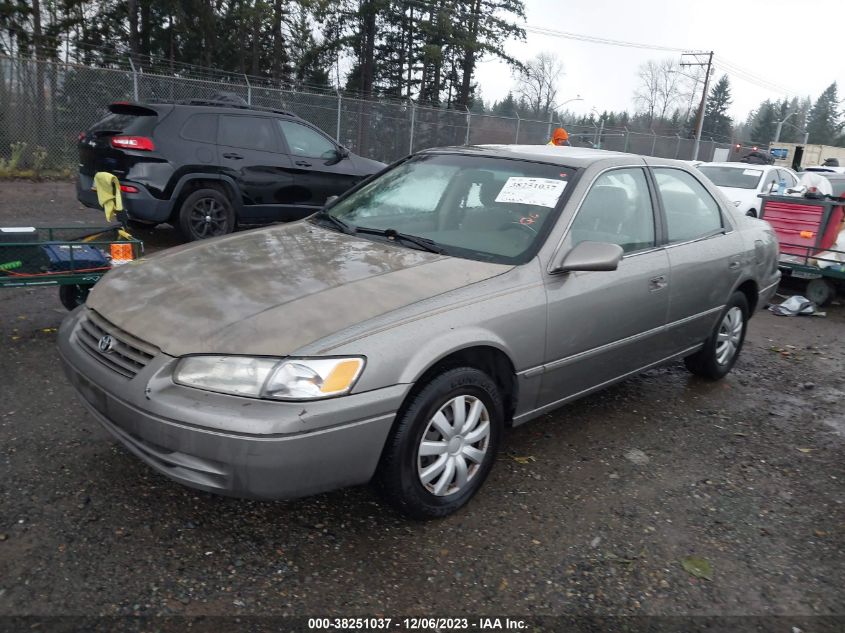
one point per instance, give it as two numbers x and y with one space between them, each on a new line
114 123
247 132
200 127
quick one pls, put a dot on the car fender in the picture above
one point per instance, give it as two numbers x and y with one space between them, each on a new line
184 180
436 349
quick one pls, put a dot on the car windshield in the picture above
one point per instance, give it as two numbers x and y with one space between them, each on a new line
477 207
738 177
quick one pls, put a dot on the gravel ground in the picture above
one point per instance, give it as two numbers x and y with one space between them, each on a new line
588 511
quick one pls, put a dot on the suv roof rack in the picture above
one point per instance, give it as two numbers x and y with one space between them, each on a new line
228 104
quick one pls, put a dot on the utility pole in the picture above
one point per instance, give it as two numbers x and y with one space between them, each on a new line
780 126
699 121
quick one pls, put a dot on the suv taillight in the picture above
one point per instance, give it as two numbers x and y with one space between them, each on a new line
133 142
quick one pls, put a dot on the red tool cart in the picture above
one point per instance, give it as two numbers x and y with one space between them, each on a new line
808 230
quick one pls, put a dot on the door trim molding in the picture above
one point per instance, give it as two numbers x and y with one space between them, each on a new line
524 417
567 360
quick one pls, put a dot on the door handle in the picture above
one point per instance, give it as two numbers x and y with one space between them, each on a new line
302 163
233 156
657 283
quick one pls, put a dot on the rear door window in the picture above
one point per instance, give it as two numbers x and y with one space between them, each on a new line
691 212
200 127
247 132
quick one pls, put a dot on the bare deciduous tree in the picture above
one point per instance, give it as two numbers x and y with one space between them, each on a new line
660 89
537 83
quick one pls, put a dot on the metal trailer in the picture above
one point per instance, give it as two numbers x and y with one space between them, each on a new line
74 278
806 229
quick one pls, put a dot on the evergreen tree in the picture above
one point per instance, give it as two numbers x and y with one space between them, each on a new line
505 107
717 123
823 123
764 123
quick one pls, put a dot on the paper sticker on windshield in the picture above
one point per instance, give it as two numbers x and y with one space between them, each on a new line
751 172
543 192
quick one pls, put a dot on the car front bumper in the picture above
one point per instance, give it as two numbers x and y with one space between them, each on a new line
226 444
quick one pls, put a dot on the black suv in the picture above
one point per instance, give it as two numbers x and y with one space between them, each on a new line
204 166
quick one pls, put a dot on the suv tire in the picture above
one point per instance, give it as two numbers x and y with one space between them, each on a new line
425 443
206 213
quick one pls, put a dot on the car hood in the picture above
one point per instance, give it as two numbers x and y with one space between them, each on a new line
368 166
270 291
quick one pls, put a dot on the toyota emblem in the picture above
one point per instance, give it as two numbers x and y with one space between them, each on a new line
106 344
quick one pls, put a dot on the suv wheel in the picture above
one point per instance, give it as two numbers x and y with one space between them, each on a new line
206 213
721 350
443 445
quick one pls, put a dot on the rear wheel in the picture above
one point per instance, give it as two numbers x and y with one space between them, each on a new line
206 213
717 357
73 295
820 291
443 444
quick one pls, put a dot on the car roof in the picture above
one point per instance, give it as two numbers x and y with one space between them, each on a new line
216 105
739 165
825 169
559 155
830 175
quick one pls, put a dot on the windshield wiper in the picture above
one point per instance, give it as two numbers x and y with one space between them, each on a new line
340 224
392 234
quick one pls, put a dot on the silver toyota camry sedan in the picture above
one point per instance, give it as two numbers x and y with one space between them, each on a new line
392 336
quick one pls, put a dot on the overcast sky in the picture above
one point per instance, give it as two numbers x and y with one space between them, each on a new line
799 45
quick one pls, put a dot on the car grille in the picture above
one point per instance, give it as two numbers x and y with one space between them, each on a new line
125 355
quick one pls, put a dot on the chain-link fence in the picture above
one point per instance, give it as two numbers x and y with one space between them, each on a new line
45 105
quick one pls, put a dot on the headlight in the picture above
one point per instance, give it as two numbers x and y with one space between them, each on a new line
279 379
736 203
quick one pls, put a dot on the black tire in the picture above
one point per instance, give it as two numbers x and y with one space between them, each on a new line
206 213
820 291
706 362
398 476
751 213
73 295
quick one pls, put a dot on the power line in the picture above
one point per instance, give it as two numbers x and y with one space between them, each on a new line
748 76
599 40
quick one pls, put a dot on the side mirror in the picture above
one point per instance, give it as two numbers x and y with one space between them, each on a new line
591 256
342 152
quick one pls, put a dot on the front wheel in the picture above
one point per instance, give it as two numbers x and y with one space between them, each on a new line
720 351
443 444
751 213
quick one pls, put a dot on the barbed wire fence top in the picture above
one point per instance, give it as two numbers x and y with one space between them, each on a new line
44 105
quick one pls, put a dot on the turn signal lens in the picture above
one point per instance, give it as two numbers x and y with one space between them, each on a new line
341 376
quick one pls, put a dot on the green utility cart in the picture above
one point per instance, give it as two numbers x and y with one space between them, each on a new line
72 258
